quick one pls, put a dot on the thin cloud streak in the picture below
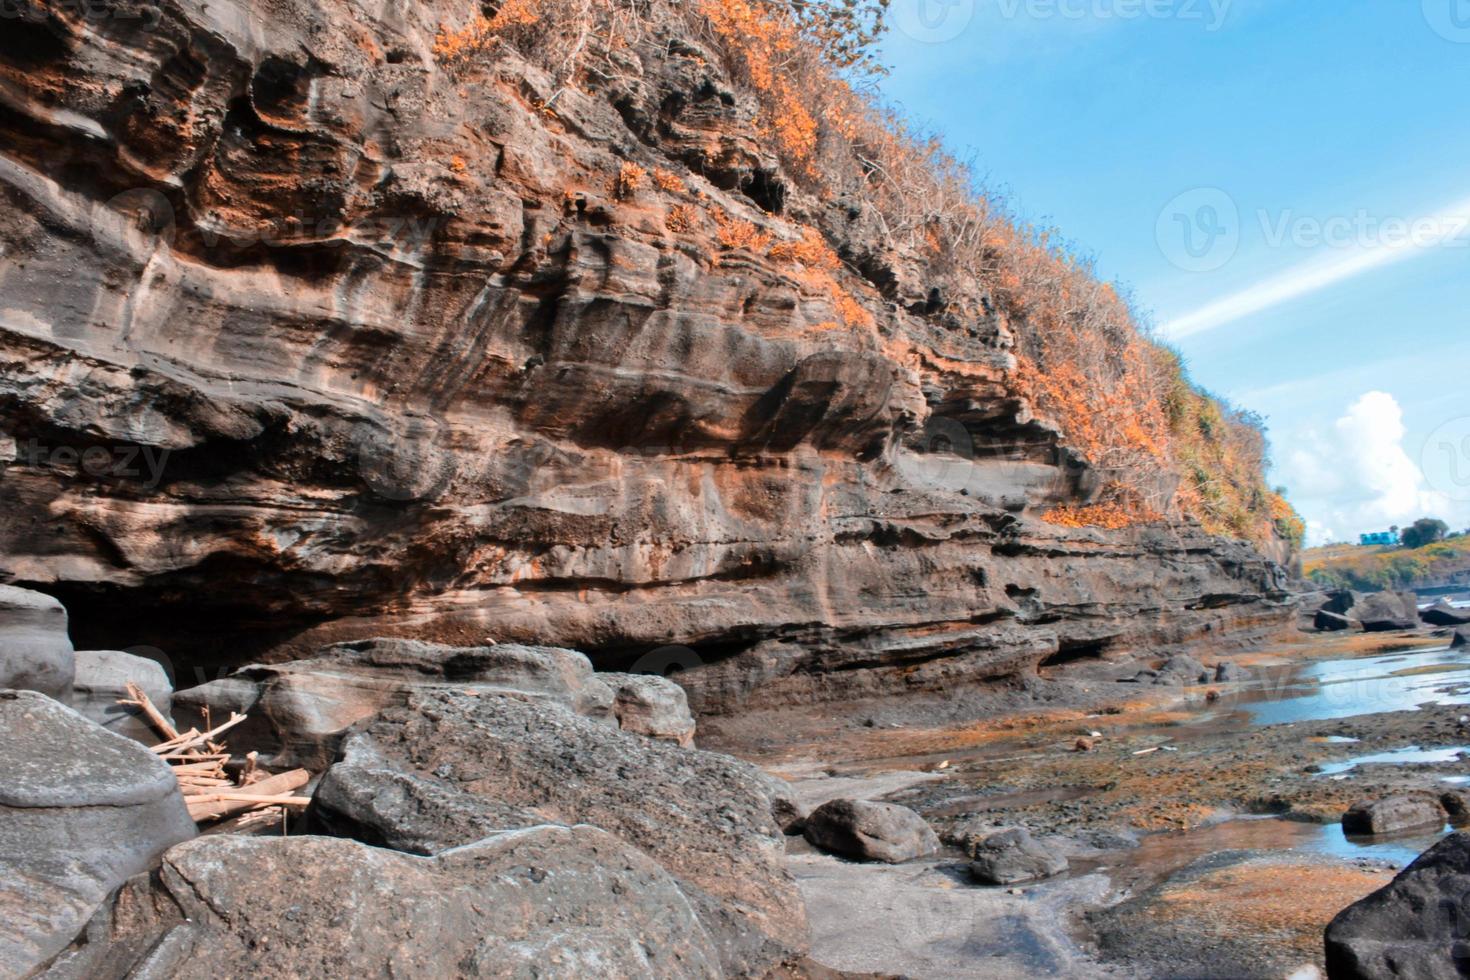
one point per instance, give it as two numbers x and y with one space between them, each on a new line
1311 277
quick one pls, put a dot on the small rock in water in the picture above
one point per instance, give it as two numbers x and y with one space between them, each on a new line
1392 814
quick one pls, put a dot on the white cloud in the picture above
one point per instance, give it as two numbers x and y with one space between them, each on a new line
1359 477
1444 227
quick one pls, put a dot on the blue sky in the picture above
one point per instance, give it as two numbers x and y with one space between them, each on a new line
1315 153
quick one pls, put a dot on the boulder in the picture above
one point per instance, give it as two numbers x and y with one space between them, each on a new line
651 705
1012 856
1331 622
1392 814
1456 803
1412 927
35 652
81 810
1230 673
1340 601
1460 640
445 768
1386 612
101 681
1179 671
557 902
300 711
1444 614
868 831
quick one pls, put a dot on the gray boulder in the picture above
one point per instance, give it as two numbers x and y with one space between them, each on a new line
1392 814
300 711
445 768
1460 640
1012 856
1386 612
101 681
1331 622
1444 614
81 811
556 902
868 831
651 705
1414 927
35 652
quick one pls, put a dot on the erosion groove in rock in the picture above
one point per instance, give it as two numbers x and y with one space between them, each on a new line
304 338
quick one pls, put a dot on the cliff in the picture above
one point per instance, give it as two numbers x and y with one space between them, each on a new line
330 319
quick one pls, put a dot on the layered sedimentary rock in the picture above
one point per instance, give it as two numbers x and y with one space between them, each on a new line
305 336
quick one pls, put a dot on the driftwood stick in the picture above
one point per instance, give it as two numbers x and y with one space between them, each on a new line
201 738
143 703
252 799
213 806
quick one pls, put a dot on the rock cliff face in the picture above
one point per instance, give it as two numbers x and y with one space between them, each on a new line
305 336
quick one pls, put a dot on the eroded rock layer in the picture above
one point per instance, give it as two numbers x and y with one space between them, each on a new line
305 336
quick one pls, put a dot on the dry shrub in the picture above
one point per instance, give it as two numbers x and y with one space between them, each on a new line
629 179
667 180
682 219
737 233
481 33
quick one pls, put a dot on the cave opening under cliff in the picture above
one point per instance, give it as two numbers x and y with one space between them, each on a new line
1073 651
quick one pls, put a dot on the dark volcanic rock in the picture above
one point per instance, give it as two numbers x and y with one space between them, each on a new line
1444 614
869 831
1331 622
1388 816
1012 856
1230 673
1414 927
81 811
35 652
1456 803
1461 639
559 902
446 768
101 682
1384 612
300 711
307 329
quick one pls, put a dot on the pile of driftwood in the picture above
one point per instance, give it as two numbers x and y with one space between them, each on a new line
212 790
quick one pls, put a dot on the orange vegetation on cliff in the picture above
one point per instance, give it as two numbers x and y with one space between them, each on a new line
1082 360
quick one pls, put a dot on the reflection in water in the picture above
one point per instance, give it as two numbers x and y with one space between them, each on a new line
1396 757
1399 848
1159 856
1345 688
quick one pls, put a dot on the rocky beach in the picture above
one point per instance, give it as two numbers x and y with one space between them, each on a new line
567 489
